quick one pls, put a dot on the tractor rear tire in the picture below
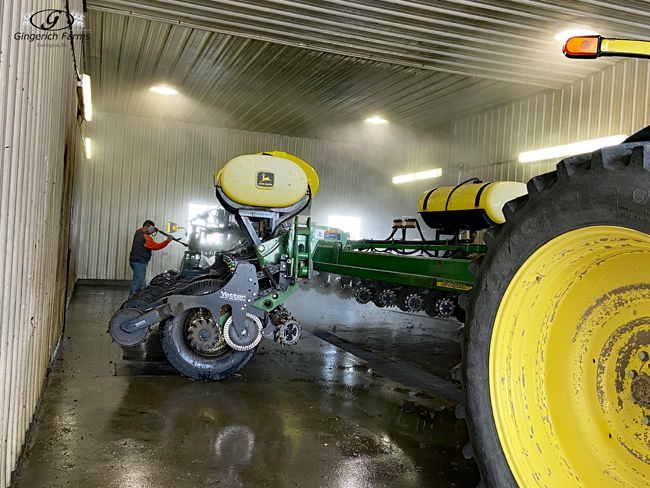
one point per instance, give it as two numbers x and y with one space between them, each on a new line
558 316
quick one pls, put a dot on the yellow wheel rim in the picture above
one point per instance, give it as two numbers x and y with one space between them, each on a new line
569 333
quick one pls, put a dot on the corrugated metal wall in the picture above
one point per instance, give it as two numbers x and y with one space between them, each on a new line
151 169
614 101
39 140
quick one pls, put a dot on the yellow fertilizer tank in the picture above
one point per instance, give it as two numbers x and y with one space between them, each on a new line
469 207
269 180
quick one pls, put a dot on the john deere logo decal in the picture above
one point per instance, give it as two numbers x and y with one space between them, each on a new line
265 179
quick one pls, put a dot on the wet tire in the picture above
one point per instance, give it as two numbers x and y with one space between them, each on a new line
193 364
610 187
430 301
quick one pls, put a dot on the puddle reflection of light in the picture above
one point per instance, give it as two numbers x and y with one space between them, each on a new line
354 473
136 468
235 443
331 357
335 367
368 471
350 376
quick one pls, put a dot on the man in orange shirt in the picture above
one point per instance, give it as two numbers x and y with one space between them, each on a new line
143 244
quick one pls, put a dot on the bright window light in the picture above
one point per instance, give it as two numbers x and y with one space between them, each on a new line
376 120
403 178
571 149
163 90
87 147
346 224
197 209
565 35
88 102
432 173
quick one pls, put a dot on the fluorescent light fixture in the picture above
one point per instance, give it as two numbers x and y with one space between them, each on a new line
422 175
571 149
376 121
163 90
583 30
432 173
403 178
87 147
88 102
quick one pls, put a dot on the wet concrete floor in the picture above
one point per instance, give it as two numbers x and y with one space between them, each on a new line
315 415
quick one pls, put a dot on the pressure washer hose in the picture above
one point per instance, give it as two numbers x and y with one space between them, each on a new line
173 238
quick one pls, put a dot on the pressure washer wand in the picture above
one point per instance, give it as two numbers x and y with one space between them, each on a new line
173 238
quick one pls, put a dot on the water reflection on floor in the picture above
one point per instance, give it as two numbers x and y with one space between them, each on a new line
313 415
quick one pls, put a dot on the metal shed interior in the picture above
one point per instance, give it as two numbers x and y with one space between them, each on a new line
465 85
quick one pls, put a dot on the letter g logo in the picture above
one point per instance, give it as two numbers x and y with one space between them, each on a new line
51 20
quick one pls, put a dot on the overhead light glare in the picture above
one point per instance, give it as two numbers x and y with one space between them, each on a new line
376 121
403 178
422 175
163 90
584 30
432 173
87 98
87 147
571 149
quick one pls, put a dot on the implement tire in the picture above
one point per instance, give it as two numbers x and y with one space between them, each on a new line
558 316
200 364
173 339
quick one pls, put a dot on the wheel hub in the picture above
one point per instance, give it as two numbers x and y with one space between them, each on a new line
289 332
346 291
388 298
364 295
640 389
204 336
414 303
445 307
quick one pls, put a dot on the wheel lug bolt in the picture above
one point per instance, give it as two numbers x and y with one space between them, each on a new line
646 420
632 374
643 356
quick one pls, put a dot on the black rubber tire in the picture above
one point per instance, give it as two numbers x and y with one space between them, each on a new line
135 302
193 364
430 302
401 297
459 314
607 187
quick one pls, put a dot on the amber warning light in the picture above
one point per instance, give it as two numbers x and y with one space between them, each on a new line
582 47
590 47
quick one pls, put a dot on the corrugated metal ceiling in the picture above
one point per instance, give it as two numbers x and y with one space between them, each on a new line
296 67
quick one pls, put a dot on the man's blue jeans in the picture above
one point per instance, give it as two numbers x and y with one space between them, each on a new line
139 274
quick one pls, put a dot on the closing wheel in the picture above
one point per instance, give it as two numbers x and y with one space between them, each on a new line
250 335
558 323
119 335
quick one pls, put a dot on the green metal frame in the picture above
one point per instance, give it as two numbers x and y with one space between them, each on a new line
270 302
420 271
326 249
310 247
